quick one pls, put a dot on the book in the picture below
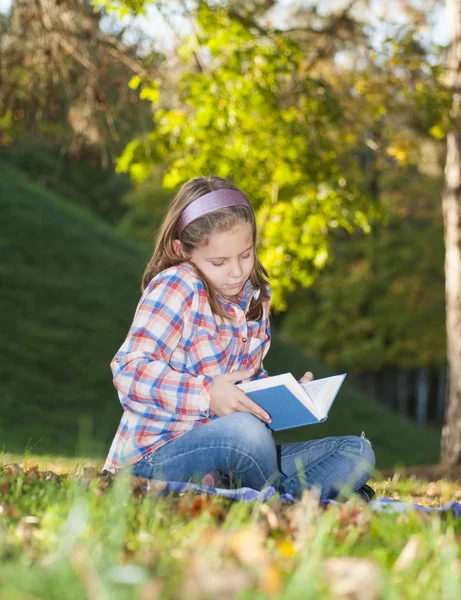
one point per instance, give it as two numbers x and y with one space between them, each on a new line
292 404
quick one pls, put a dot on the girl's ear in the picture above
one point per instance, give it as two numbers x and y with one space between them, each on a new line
178 249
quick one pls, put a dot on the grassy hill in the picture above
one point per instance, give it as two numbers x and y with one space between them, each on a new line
69 285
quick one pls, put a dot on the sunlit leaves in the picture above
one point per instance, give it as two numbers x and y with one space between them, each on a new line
253 113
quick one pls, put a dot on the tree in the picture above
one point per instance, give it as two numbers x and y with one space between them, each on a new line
280 111
64 77
252 107
451 201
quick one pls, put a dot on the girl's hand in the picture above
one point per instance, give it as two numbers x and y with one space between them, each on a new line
227 398
306 377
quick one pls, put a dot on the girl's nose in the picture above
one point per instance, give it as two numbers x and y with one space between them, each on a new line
236 269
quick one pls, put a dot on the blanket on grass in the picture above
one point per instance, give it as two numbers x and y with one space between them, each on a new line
245 494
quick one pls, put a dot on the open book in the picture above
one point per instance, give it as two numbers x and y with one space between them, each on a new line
292 404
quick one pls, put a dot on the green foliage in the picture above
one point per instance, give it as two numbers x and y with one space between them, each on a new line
80 180
380 303
70 285
254 113
146 206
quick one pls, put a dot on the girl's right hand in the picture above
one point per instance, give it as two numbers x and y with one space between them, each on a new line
227 398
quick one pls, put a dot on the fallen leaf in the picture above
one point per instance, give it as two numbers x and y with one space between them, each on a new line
269 513
221 581
271 580
434 489
352 578
409 554
248 546
151 590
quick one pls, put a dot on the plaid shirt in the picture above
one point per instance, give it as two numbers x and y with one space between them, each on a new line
164 370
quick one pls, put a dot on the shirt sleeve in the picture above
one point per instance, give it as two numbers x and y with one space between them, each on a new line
141 371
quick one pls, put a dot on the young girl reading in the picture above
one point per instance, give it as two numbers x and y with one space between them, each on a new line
201 326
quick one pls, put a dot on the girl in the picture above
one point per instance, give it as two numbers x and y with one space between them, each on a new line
201 326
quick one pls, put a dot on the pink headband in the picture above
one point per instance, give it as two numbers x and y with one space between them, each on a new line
208 203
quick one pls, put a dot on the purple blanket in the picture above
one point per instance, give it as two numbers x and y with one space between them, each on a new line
246 494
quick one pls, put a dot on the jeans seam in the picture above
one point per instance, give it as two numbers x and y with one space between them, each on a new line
334 444
214 447
319 462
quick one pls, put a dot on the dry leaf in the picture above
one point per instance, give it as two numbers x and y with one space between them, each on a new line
87 574
269 513
26 529
151 590
352 578
90 472
434 489
409 554
248 545
223 581
271 580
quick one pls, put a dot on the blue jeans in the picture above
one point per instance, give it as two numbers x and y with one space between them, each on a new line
242 447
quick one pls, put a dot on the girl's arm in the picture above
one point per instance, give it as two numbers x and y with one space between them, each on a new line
141 369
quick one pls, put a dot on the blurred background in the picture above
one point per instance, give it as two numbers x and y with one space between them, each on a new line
331 115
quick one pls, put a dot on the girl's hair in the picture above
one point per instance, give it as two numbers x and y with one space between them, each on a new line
198 232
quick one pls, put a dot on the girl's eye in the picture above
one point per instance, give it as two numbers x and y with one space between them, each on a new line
221 263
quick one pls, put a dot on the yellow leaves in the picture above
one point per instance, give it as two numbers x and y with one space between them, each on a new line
321 258
437 131
150 89
286 548
403 149
151 93
362 85
134 82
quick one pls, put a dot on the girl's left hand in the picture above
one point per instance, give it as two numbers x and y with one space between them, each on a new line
308 376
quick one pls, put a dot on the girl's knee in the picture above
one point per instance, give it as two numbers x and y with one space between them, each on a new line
246 428
359 447
247 435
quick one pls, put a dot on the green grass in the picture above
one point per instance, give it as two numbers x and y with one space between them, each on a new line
69 285
90 537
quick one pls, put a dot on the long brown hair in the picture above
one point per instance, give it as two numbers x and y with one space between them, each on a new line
198 232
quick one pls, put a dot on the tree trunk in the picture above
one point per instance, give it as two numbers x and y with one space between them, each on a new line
451 435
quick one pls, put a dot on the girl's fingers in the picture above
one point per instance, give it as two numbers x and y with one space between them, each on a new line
240 375
247 405
308 376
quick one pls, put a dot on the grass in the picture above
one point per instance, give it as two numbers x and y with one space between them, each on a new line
69 285
85 536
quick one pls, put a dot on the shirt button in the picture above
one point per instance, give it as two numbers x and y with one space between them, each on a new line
244 339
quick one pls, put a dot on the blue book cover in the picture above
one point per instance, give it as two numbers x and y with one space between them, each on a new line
292 404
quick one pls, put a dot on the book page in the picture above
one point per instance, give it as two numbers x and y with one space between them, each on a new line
323 392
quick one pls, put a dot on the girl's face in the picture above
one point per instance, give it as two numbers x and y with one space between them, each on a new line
227 260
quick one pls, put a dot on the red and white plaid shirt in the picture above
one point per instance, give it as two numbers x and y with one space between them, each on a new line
175 347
